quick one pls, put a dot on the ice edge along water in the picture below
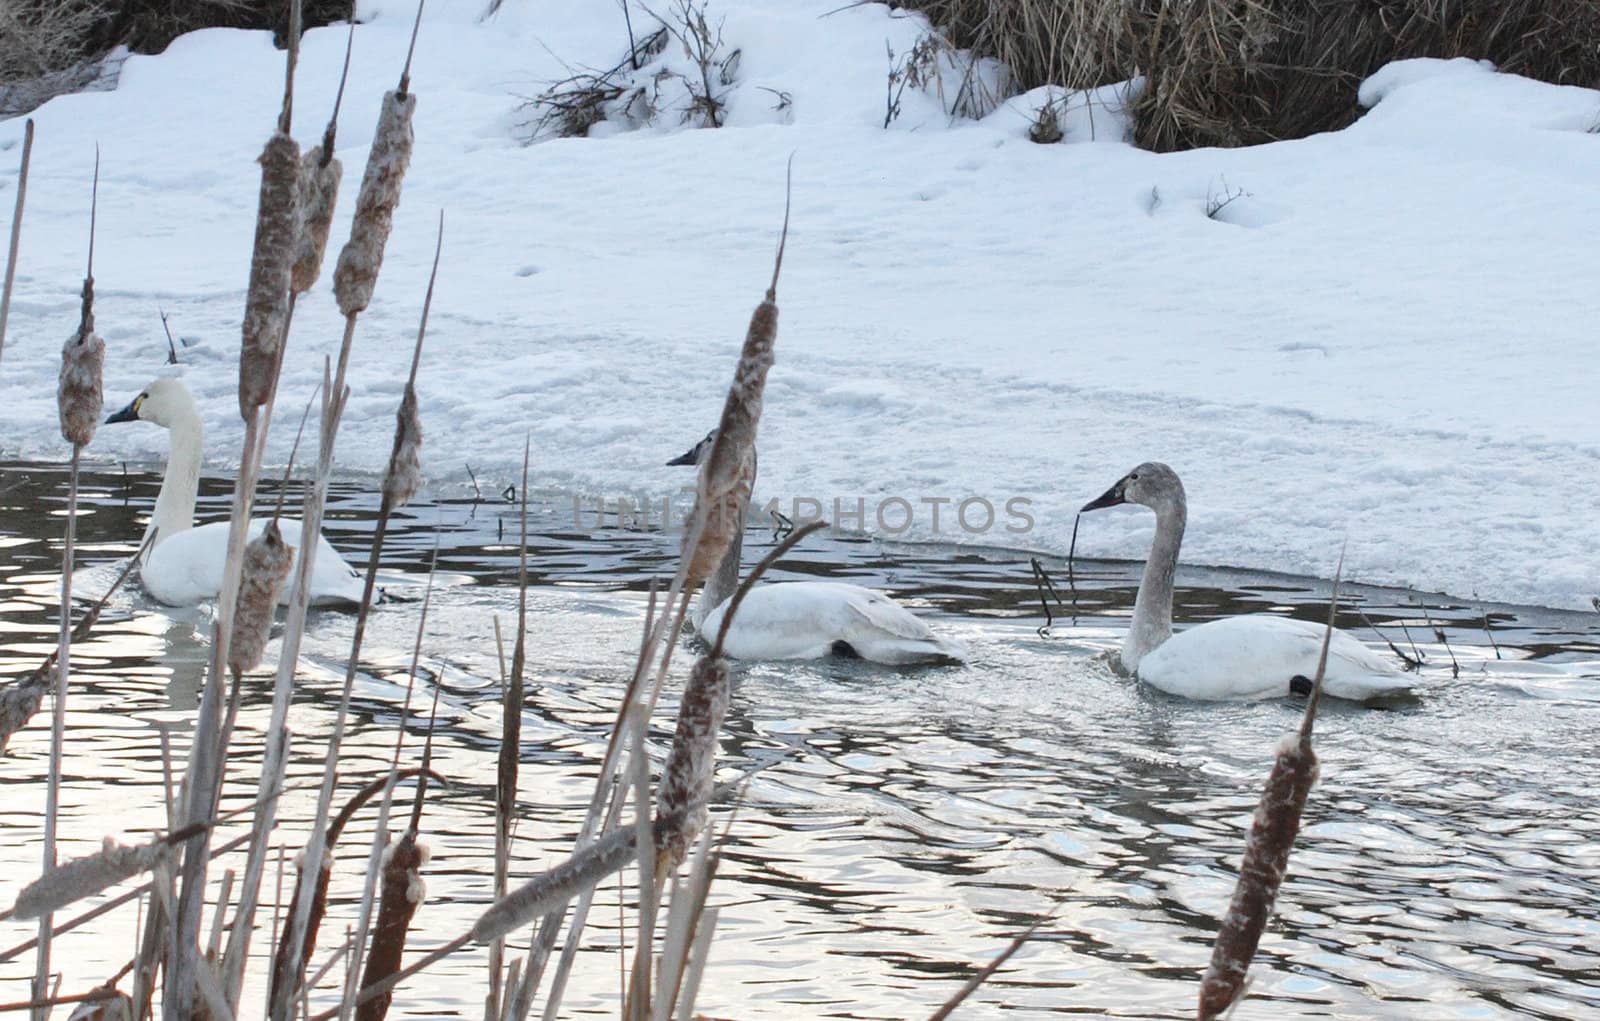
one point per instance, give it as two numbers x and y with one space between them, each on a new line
1385 332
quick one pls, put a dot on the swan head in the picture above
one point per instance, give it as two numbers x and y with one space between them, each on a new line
166 402
695 454
1152 485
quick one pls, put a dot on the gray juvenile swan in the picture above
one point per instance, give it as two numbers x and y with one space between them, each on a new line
185 565
811 619
1251 656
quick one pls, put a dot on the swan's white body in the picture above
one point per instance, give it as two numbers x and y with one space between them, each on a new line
1252 656
809 619
812 619
185 566
1258 655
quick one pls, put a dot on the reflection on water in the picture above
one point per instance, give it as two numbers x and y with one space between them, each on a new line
901 824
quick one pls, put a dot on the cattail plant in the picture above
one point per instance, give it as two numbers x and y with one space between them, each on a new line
510 758
278 229
320 174
267 560
16 230
723 491
686 778
400 482
1266 850
335 395
265 320
723 487
79 400
356 275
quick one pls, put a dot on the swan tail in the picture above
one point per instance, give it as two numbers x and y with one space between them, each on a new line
1363 686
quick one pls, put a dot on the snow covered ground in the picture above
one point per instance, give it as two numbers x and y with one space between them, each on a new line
1388 334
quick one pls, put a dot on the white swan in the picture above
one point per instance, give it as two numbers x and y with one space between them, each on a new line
1255 655
185 565
811 619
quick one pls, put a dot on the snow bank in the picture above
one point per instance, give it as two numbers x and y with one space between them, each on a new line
1386 333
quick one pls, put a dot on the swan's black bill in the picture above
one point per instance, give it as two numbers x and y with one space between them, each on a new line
128 414
1110 498
693 455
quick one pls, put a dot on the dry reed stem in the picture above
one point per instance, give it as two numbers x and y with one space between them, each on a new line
79 398
510 758
356 274
354 280
272 262
16 230
267 560
380 833
985 973
582 871
318 905
1266 851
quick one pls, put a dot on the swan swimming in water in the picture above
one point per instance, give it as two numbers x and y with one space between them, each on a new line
811 619
1251 656
185 566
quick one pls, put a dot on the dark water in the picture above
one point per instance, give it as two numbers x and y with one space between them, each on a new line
902 824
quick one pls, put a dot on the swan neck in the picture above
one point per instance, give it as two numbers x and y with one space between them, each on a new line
724 581
1152 610
180 486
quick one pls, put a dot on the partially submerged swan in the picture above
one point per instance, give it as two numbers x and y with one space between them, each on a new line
811 619
1251 656
185 565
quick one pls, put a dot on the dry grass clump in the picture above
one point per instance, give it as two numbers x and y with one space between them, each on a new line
41 36
1238 72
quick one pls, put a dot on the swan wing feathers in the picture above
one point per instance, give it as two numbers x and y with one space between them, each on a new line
1260 655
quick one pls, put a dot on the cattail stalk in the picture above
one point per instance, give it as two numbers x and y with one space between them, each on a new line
273 763
79 400
16 230
1266 850
505 801
380 835
716 508
723 487
295 934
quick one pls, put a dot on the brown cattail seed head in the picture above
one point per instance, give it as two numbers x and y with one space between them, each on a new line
405 470
729 471
357 272
266 310
319 193
691 764
266 567
1261 872
79 396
